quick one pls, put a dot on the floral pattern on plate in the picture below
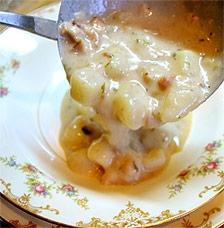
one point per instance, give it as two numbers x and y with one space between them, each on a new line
24 200
38 184
6 70
131 216
209 163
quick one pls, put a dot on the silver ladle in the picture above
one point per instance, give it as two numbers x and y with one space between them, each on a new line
49 28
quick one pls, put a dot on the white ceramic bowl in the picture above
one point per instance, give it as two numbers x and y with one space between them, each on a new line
34 174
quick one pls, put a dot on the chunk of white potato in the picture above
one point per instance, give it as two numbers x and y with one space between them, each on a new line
101 152
87 85
85 111
130 104
79 134
120 62
214 69
189 87
79 163
183 96
186 61
113 69
154 159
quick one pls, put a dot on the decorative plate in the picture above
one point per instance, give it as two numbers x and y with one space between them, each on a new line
209 216
34 174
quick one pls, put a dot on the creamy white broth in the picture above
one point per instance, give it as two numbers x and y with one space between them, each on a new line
130 76
147 151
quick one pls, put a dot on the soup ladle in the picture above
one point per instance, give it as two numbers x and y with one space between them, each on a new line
68 8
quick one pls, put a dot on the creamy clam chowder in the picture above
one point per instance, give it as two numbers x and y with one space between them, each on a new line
134 76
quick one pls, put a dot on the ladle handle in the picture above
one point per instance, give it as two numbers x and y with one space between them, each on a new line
43 27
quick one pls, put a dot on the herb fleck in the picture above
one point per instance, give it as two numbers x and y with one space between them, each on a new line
110 56
187 63
107 64
103 87
174 55
146 42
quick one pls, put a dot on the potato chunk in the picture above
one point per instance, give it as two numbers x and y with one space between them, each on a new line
79 163
120 62
101 152
182 97
86 86
130 104
154 159
186 61
79 134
